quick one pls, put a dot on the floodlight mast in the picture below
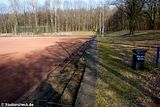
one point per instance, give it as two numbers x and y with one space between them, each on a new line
103 21
100 22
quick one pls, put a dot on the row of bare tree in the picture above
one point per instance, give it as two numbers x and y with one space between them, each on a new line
135 15
23 16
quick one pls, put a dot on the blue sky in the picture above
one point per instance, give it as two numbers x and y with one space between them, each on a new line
93 3
42 1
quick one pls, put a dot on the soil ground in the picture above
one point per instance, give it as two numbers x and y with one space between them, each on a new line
26 61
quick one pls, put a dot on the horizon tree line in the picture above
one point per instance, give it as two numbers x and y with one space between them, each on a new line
31 16
27 16
135 15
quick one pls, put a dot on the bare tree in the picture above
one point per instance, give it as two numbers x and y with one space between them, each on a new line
66 6
133 9
78 15
24 8
56 6
34 5
14 7
51 13
4 23
151 10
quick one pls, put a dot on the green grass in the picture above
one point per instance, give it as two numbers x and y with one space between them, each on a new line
83 33
118 84
139 36
142 37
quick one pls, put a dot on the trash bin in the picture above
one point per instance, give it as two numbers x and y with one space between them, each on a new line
138 58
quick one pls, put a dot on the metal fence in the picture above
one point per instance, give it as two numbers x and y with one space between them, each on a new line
152 57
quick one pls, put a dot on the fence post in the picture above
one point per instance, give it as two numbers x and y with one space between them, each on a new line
157 56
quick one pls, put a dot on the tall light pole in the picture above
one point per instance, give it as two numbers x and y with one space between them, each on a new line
101 19
55 19
100 22
103 14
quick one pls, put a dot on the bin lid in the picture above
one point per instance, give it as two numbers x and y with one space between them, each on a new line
139 50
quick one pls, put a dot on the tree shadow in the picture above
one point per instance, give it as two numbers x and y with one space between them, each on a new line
45 93
117 64
20 77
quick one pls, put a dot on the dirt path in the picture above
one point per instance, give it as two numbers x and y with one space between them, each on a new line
87 94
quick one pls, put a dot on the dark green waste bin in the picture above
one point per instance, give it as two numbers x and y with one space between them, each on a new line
138 58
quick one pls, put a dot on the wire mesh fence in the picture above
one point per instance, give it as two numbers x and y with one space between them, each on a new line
151 60
152 57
